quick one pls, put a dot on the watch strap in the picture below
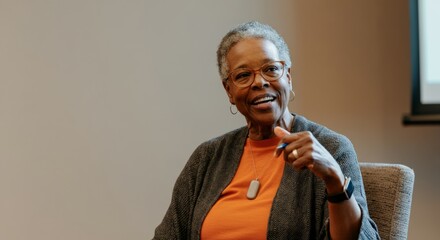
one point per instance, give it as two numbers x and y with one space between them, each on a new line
345 194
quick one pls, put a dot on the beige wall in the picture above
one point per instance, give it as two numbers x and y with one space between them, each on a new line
102 102
353 74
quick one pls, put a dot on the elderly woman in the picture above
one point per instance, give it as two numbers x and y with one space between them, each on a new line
280 177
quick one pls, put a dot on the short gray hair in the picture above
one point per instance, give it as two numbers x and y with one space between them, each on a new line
243 31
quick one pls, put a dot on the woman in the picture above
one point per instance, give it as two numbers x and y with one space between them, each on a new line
280 177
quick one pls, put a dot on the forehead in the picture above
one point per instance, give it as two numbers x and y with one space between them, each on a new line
251 52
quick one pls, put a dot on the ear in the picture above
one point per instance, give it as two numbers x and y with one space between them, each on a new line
228 91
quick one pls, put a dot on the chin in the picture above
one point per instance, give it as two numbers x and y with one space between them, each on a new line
268 118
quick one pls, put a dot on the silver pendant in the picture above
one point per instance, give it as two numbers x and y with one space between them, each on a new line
252 192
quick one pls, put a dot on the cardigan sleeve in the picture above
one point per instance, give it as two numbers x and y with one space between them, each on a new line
176 223
207 172
347 159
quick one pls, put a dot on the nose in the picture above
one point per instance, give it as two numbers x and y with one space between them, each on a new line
259 81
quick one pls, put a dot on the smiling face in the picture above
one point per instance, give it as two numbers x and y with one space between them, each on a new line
263 103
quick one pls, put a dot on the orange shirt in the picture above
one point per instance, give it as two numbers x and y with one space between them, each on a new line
234 216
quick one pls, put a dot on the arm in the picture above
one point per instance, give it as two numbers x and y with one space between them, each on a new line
173 224
348 219
346 214
177 220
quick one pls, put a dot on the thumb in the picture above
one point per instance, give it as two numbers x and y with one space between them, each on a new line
280 132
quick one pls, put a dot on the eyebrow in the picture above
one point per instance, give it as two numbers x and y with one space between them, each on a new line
266 60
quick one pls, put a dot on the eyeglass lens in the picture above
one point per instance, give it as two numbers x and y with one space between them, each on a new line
271 71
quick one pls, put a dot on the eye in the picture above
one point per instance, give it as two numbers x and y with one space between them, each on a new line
241 75
272 69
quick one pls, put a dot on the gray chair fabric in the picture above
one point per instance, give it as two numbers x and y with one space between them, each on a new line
389 189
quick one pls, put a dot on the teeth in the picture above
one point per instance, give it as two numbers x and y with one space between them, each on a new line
263 100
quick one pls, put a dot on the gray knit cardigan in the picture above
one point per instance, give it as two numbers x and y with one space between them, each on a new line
299 209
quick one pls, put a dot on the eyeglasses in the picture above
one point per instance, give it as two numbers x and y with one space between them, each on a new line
244 77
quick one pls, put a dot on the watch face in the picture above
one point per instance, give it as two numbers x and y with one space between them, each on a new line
350 188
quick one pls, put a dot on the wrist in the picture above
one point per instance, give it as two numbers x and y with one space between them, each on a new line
335 184
345 194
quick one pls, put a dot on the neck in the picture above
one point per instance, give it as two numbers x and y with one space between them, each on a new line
265 131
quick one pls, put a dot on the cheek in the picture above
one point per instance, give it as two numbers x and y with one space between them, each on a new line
284 100
285 92
239 96
240 92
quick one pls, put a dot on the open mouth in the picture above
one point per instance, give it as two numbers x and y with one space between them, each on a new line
265 99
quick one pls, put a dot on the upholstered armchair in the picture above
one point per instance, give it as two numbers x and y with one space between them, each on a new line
389 189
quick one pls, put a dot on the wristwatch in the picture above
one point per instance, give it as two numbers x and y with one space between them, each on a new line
345 194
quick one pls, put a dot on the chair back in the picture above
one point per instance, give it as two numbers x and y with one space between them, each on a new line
389 189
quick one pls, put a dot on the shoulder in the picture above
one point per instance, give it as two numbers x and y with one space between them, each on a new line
227 137
224 139
224 144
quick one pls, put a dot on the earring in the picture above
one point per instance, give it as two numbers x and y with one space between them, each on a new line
292 95
232 111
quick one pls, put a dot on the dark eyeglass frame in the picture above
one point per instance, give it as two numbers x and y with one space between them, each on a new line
254 72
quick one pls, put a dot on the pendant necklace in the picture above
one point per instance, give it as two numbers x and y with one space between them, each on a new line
254 185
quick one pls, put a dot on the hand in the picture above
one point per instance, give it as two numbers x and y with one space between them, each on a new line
311 155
